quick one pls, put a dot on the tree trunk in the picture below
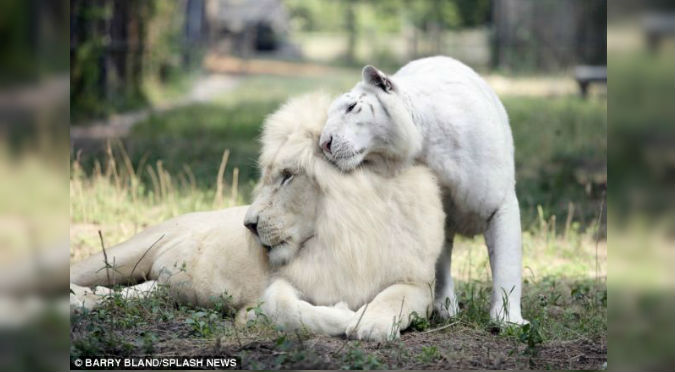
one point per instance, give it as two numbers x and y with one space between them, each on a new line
350 20
117 50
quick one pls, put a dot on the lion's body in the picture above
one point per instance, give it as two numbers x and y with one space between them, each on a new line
439 112
334 239
200 256
388 234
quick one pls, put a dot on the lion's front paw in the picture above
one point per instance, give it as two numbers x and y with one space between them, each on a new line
373 328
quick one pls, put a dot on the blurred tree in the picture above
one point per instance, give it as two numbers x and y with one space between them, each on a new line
87 68
194 30
388 14
548 35
352 31
423 21
316 15
125 51
116 45
30 39
427 14
474 12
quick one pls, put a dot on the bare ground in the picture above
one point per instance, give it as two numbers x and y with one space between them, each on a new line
456 347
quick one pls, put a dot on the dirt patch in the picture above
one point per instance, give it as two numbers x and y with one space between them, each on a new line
458 346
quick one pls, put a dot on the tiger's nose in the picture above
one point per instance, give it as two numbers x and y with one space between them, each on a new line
252 225
325 145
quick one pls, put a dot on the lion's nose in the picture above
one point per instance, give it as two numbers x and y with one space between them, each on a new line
252 225
325 145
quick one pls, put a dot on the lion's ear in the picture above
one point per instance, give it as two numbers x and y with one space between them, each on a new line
375 77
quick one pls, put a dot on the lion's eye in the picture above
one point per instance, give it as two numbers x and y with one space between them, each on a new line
286 176
351 107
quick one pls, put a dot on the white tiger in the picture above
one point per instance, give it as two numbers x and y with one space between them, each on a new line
438 111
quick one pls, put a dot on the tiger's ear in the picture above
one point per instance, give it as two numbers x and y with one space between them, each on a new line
377 78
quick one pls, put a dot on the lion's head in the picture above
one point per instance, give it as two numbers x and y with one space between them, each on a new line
283 214
370 123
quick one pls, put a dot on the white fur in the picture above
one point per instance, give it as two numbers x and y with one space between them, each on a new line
375 239
200 256
456 125
336 241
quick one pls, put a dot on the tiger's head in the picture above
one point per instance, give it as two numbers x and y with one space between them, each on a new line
370 124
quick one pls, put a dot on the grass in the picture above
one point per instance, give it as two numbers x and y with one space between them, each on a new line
568 329
173 164
561 151
115 199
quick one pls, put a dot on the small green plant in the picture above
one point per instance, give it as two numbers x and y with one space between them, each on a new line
146 342
223 305
291 350
357 358
429 354
202 323
580 291
418 323
529 335
395 330
259 315
283 342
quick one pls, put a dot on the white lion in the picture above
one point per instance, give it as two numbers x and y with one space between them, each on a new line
328 242
438 111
